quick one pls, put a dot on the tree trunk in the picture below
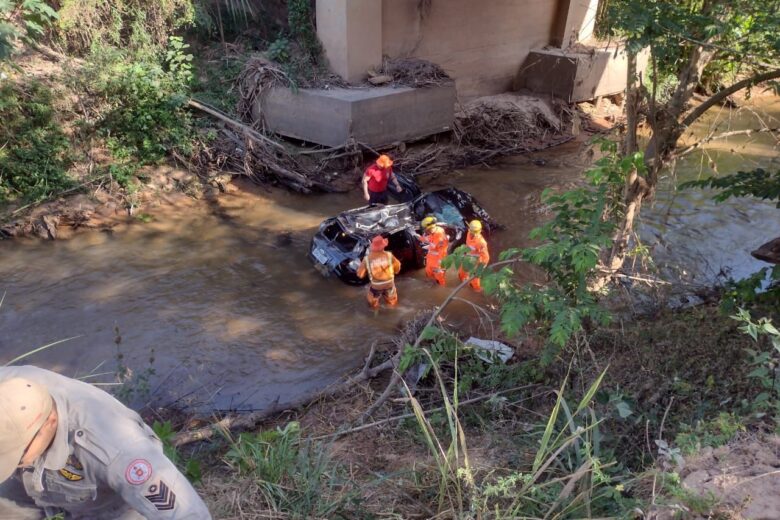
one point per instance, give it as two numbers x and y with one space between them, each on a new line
629 145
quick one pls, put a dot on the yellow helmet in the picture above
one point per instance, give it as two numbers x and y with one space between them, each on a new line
428 222
475 226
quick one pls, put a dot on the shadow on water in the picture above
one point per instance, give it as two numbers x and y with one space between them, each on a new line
224 298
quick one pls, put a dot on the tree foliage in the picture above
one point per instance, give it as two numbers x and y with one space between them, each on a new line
569 252
757 183
742 32
726 41
24 20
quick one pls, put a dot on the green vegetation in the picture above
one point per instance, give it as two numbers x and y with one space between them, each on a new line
23 21
140 28
605 402
582 224
143 117
35 157
295 477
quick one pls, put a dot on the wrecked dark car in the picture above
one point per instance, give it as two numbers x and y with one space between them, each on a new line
342 241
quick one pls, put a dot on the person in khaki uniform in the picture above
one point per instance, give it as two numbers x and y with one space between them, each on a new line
69 447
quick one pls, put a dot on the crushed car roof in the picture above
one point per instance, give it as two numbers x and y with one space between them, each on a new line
381 219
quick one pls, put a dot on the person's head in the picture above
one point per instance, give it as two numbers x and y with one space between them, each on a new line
28 423
428 222
378 243
475 226
384 162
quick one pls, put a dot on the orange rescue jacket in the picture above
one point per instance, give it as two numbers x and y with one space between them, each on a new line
381 267
478 247
437 241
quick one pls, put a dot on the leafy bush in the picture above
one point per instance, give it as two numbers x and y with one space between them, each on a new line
145 118
33 147
301 21
279 50
582 226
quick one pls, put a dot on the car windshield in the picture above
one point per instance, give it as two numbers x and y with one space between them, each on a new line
384 219
444 211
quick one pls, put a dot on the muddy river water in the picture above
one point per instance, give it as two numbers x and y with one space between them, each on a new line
215 312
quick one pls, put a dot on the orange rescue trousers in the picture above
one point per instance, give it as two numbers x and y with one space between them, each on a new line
434 270
475 283
478 251
374 295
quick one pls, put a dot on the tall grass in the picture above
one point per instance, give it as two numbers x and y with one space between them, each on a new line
296 478
567 479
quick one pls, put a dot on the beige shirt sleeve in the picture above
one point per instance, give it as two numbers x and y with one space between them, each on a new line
150 483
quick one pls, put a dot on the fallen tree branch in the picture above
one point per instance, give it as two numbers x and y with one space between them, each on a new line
215 112
726 92
396 378
724 135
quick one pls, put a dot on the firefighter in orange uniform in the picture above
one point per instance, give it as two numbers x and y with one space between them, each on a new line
478 250
436 242
381 267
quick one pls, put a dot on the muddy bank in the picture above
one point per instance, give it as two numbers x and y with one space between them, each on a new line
108 208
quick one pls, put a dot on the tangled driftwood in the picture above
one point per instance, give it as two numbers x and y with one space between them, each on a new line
414 72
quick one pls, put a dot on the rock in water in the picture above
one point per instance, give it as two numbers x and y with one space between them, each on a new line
769 252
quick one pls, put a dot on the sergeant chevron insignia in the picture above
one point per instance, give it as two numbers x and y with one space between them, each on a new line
161 497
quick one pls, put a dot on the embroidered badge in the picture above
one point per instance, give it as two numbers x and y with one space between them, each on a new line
73 469
161 497
73 477
138 472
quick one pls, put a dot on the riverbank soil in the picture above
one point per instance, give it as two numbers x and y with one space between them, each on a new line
660 373
742 478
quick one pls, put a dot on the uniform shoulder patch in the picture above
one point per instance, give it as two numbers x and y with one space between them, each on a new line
161 496
138 472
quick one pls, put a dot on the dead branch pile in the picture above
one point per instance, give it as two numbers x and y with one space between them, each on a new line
240 149
256 79
414 72
506 122
484 129
491 127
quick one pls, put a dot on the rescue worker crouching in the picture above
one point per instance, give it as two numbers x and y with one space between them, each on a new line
67 447
478 250
381 267
436 242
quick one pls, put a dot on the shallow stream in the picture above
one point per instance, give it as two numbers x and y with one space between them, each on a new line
213 310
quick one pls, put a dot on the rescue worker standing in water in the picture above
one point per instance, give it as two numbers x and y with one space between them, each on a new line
436 242
381 267
375 180
67 447
478 250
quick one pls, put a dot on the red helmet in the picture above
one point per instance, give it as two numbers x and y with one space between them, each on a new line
378 243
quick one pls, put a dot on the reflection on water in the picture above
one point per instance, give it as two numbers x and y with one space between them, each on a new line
235 318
